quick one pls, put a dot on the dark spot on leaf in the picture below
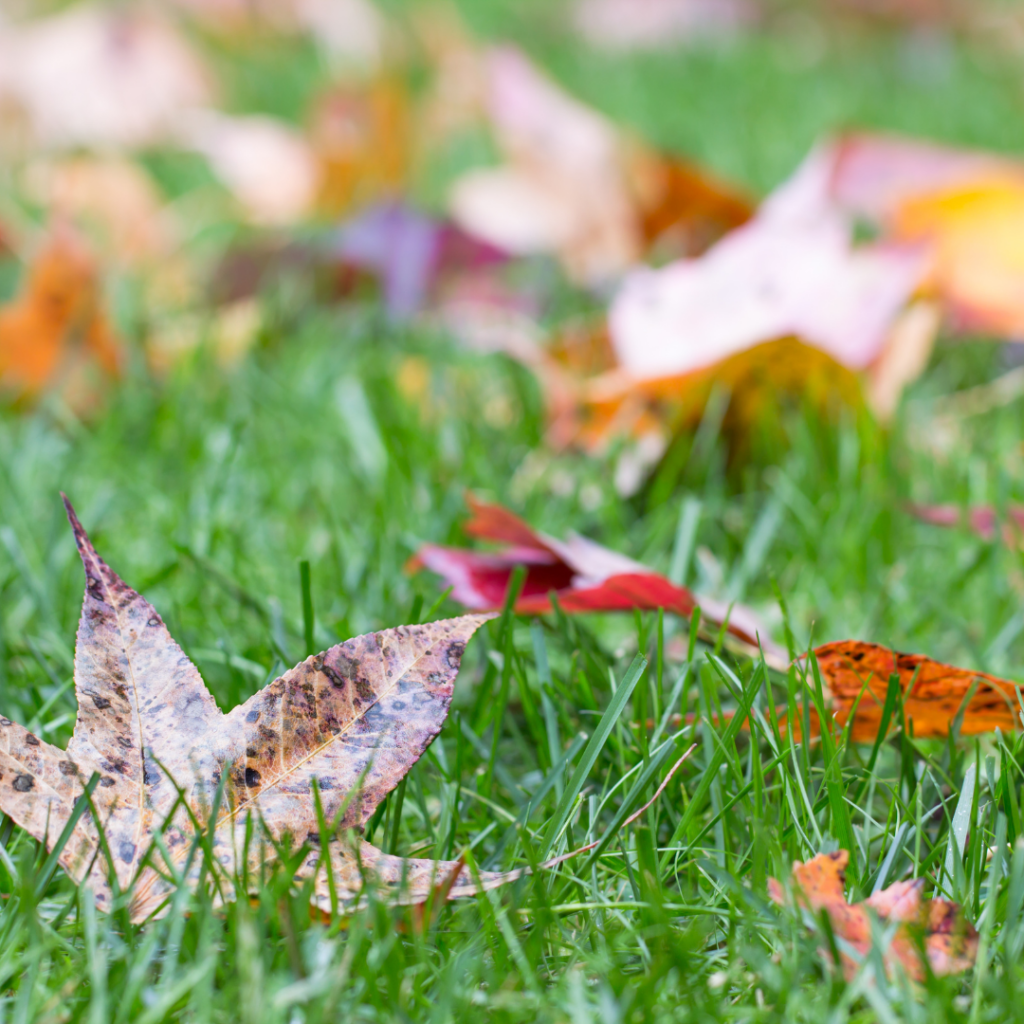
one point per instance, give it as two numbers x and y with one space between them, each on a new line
153 621
31 740
126 851
100 702
106 782
253 716
453 656
251 752
68 768
252 778
398 705
313 838
124 741
23 783
325 783
5 722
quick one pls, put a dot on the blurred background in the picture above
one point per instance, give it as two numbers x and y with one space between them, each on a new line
282 280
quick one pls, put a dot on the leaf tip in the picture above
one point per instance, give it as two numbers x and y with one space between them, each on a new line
81 537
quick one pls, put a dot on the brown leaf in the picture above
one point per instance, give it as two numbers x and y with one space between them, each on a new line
950 942
358 715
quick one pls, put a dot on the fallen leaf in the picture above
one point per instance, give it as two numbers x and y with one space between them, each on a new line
352 30
573 185
349 30
358 715
682 209
95 76
932 692
266 164
975 234
773 278
361 137
583 575
55 334
626 25
418 262
965 208
950 941
904 357
784 305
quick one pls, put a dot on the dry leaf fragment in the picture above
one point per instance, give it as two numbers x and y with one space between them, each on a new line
55 334
950 941
363 710
584 576
932 691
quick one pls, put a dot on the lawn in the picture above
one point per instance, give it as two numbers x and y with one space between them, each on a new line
205 490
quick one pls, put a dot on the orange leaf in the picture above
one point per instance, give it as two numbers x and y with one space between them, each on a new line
950 941
55 334
361 136
932 691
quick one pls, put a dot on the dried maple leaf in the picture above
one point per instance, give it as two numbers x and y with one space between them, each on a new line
932 691
950 942
354 719
55 334
583 575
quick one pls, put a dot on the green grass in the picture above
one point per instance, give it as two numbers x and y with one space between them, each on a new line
207 490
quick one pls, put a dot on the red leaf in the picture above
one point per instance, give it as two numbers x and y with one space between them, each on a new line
584 576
